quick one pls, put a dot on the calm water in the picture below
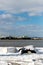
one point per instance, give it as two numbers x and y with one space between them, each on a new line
21 42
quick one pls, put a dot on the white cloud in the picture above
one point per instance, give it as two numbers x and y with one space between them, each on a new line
31 30
19 18
15 6
35 14
21 30
6 15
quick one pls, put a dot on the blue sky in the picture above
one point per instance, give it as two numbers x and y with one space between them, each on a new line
21 17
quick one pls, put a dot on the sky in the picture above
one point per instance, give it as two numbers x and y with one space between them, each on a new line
21 18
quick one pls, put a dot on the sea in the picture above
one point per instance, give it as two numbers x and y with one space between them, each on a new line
18 43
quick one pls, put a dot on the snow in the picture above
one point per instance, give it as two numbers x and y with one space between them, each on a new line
9 57
29 47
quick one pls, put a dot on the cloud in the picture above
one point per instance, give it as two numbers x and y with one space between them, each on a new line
29 30
35 14
9 17
8 21
17 6
20 30
12 16
6 15
19 18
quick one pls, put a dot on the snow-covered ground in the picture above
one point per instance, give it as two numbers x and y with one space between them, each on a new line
8 56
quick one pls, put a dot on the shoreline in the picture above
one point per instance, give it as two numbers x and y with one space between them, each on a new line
21 39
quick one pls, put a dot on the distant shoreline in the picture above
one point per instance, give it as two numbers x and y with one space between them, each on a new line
21 38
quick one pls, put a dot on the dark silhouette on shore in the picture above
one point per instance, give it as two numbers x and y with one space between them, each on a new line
23 50
21 38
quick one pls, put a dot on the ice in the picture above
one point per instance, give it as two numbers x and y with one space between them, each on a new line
8 57
3 63
30 47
